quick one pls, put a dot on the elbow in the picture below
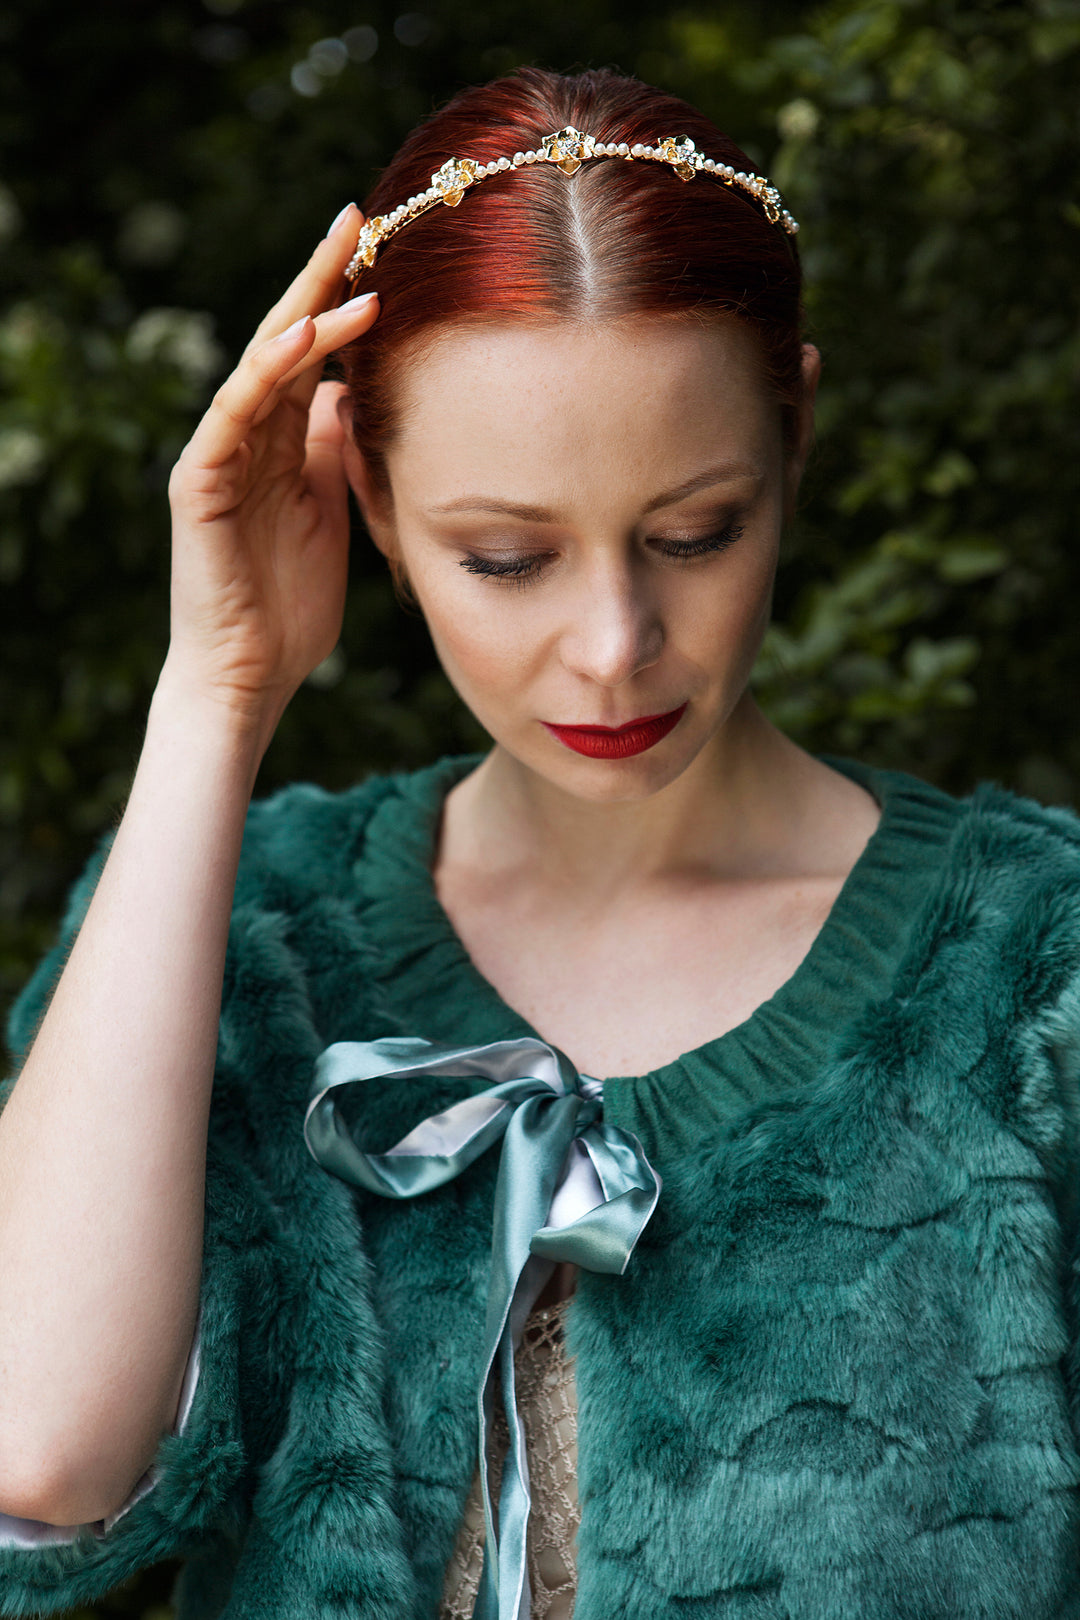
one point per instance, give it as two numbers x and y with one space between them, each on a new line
77 1473
32 1494
45 1491
35 1495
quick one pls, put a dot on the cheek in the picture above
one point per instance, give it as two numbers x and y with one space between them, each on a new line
721 620
483 644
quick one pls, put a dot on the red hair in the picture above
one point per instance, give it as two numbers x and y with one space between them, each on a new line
616 239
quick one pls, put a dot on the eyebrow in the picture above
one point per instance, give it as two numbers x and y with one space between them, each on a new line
724 473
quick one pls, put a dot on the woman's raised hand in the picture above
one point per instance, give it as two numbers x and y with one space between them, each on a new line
259 502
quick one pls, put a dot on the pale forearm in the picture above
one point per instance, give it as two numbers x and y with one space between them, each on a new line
103 1142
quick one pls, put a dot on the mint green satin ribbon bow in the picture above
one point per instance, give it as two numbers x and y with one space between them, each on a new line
569 1188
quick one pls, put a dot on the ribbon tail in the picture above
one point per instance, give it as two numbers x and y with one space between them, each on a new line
486 1606
515 1496
535 1146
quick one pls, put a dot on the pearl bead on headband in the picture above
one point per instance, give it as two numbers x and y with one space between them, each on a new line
568 149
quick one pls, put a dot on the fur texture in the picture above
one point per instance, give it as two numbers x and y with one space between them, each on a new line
840 1379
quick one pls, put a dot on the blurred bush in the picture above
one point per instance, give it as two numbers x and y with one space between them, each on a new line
929 151
166 168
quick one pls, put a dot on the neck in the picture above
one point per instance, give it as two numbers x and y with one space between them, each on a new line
732 813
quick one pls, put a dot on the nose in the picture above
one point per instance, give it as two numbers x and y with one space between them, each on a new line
615 627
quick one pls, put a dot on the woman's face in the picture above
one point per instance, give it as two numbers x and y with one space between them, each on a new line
590 519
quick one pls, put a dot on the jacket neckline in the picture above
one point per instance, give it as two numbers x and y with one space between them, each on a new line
435 990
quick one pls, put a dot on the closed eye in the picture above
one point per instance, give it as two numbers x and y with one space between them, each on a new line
524 568
516 568
703 546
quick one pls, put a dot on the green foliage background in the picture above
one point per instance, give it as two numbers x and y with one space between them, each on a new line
166 168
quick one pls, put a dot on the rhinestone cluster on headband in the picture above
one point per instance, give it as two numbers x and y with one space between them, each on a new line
568 149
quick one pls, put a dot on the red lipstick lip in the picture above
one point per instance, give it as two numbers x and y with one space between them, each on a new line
616 731
618 742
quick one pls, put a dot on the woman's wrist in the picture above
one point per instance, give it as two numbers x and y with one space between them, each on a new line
227 724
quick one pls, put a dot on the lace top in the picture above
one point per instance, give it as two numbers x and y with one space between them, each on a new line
548 1406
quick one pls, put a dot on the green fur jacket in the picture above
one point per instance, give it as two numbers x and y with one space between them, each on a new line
839 1380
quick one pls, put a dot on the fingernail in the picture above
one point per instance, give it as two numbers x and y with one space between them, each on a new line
291 331
339 219
355 303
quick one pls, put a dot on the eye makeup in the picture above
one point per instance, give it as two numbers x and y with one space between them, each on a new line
527 566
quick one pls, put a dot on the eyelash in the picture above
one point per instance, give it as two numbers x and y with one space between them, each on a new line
519 570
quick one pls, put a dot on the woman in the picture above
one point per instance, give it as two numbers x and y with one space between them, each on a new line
828 1368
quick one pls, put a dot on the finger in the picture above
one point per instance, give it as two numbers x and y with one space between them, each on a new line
333 329
320 283
254 384
323 464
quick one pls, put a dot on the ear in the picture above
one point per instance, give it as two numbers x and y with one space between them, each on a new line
796 458
374 507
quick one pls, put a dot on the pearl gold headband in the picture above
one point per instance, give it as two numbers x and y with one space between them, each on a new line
568 149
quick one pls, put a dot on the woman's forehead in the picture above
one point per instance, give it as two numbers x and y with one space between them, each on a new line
544 409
